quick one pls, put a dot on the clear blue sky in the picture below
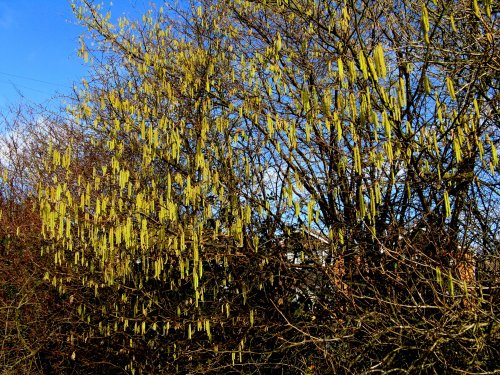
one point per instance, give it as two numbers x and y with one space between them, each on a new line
38 48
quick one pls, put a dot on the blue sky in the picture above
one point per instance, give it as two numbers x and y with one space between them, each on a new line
39 42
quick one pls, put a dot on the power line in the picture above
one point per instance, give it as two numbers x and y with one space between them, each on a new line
17 86
32 79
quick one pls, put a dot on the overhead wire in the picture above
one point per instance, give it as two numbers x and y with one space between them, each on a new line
16 86
32 79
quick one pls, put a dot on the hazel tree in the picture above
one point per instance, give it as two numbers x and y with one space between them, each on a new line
355 137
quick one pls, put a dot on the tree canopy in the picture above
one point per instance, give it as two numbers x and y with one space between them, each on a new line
268 186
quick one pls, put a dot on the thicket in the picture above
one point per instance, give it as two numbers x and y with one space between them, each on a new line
295 186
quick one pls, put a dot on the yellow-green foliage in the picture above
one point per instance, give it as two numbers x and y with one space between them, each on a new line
182 118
